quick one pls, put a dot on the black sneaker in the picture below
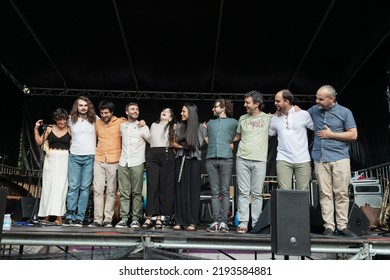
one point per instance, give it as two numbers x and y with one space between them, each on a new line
347 232
122 223
78 223
107 224
67 223
95 224
328 232
135 224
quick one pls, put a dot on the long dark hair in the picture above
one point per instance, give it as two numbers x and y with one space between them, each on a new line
189 128
91 114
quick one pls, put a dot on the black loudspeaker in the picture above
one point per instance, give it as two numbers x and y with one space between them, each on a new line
263 224
358 222
24 208
3 204
316 221
290 223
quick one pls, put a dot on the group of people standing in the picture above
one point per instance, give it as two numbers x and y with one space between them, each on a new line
334 128
108 151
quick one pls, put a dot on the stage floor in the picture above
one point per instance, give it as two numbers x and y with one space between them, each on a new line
374 245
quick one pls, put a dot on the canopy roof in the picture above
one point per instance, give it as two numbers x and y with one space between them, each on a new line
164 49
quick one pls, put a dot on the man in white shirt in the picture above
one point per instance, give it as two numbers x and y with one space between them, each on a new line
131 167
293 156
82 119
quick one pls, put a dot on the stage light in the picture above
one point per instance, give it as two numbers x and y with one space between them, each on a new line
26 90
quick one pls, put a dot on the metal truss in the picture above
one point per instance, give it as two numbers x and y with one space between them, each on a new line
157 95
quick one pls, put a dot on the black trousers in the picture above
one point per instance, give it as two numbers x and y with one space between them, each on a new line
160 167
187 192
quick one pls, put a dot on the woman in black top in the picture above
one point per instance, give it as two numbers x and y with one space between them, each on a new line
56 140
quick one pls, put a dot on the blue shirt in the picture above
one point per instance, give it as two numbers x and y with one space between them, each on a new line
338 119
220 132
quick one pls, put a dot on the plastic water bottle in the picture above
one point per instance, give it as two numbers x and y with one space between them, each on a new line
236 222
7 222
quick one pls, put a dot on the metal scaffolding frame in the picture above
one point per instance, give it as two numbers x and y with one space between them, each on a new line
157 95
362 247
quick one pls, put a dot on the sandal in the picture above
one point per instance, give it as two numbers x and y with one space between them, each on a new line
147 224
191 227
241 230
177 227
58 221
158 224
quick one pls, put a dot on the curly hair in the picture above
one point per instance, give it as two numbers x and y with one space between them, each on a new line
227 104
91 113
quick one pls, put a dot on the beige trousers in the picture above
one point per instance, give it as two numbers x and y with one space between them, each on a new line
104 191
333 179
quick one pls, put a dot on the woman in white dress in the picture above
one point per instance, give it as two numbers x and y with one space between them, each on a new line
56 140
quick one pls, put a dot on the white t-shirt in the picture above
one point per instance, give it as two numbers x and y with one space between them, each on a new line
83 137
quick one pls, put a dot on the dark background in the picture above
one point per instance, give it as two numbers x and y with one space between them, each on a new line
166 53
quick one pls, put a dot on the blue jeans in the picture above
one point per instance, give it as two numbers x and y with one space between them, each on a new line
219 172
80 174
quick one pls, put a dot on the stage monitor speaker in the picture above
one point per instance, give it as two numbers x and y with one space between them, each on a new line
290 223
358 222
24 208
3 204
263 224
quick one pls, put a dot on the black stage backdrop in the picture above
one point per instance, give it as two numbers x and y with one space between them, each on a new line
41 107
21 111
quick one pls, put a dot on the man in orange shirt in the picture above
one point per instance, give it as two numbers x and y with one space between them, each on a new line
107 156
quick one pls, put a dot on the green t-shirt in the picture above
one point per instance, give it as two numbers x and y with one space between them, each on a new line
254 136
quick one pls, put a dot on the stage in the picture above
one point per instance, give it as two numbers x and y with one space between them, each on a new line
372 246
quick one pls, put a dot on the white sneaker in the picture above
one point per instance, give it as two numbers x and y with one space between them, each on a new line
107 224
214 227
223 227
122 224
135 224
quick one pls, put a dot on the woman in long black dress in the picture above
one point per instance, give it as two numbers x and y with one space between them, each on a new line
188 142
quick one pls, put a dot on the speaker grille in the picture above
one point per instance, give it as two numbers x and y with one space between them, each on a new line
290 223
